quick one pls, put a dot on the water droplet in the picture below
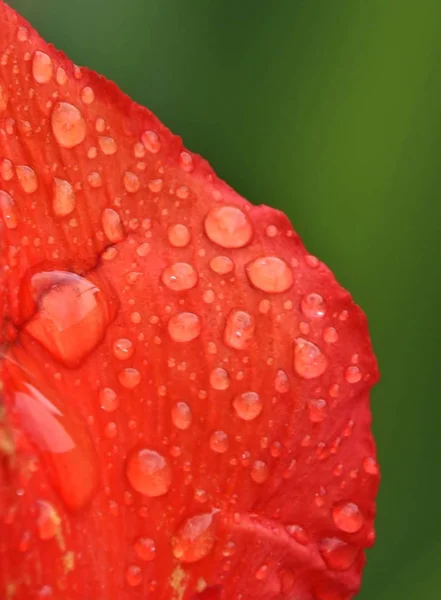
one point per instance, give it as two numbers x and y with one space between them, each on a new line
330 335
148 473
347 516
123 349
6 169
179 277
281 382
66 449
48 520
262 573
184 327
228 227
3 99
107 144
219 379
108 400
181 415
151 141
42 67
178 235
338 555
8 210
248 405
87 95
72 315
129 378
313 306
195 538
27 178
63 201
370 466
259 471
219 442
309 361
318 410
61 76
145 548
112 225
298 533
68 125
239 329
186 161
131 182
222 265
134 575
352 374
270 274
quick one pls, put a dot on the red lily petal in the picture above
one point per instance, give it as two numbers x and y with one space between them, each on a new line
185 389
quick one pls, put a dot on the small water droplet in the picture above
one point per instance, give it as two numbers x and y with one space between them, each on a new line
112 225
281 382
22 34
68 125
148 473
6 170
179 277
8 210
248 405
27 178
178 235
259 471
228 227
87 95
194 540
318 410
48 520
330 335
352 374
123 349
107 144
108 400
219 442
129 378
313 306
61 76
270 274
219 379
145 548
63 202
134 575
72 315
3 99
186 161
239 329
298 533
151 141
184 327
42 67
131 182
309 361
338 555
181 415
222 265
347 516
370 466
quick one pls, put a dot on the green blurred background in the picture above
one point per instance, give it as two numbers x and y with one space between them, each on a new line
331 111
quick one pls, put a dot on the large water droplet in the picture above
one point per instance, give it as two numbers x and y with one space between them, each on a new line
148 472
239 329
27 178
8 210
179 277
313 306
347 516
181 415
219 379
68 125
222 265
309 361
248 405
228 227
63 201
42 67
72 315
184 327
178 235
270 274
112 225
107 144
195 538
338 555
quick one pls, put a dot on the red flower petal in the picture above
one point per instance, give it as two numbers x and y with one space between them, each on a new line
185 389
